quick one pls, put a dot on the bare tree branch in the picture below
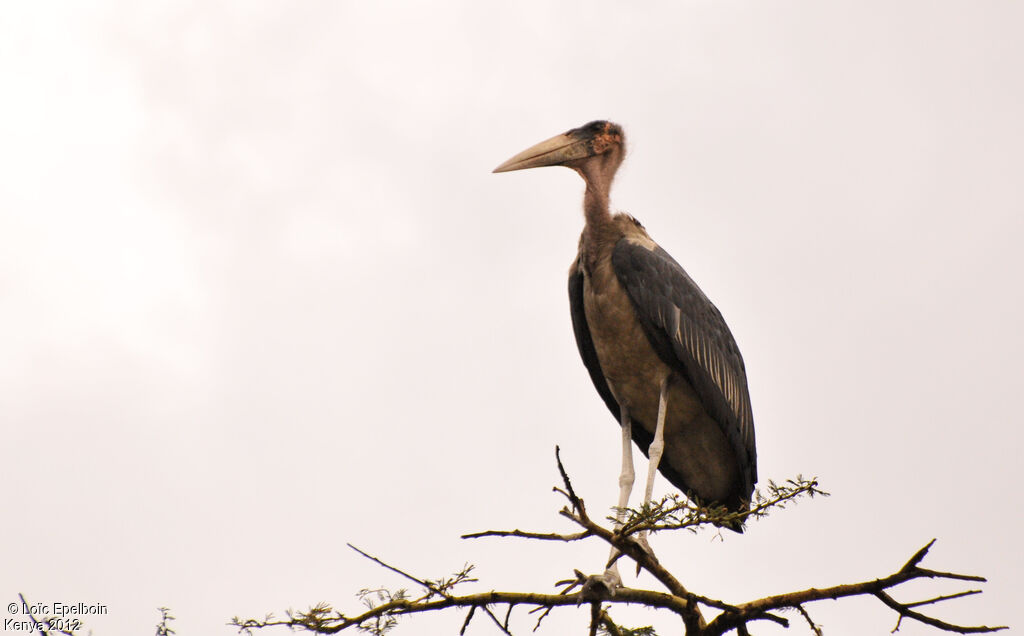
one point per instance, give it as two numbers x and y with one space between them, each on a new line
671 513
439 589
483 600
910 571
543 536
939 599
905 612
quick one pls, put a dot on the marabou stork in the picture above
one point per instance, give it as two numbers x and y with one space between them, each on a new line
658 352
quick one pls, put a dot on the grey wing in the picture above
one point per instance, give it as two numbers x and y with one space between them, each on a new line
690 335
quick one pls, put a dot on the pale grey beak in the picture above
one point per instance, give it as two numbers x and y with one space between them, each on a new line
556 151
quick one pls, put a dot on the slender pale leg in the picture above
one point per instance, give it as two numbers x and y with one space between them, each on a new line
658 445
654 458
626 478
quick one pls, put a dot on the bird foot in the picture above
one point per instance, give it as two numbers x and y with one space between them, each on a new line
599 587
641 539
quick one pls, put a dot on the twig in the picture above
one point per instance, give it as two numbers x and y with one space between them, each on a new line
939 599
35 622
469 617
814 627
609 624
45 626
577 503
392 568
543 536
430 587
905 611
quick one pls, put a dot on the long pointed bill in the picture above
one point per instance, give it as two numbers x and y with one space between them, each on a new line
552 152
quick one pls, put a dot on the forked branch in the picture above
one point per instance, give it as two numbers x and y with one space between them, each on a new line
877 587
384 607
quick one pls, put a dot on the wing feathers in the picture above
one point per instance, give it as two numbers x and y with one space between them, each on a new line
690 335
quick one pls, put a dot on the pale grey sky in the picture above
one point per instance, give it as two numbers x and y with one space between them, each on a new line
260 294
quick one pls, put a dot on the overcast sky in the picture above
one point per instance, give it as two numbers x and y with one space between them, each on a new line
260 294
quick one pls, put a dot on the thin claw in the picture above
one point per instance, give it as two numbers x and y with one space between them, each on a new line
642 540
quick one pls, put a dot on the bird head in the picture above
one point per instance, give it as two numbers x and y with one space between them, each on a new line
599 145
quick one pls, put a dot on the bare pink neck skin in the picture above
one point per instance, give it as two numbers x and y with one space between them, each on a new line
598 172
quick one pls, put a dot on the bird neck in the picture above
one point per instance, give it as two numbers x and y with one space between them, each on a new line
596 209
599 232
597 173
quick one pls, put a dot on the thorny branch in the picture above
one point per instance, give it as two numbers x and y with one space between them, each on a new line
383 607
440 587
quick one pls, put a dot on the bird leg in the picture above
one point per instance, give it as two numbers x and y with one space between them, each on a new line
654 452
658 445
626 478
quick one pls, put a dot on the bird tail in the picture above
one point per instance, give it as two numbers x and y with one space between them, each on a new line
736 526
733 508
